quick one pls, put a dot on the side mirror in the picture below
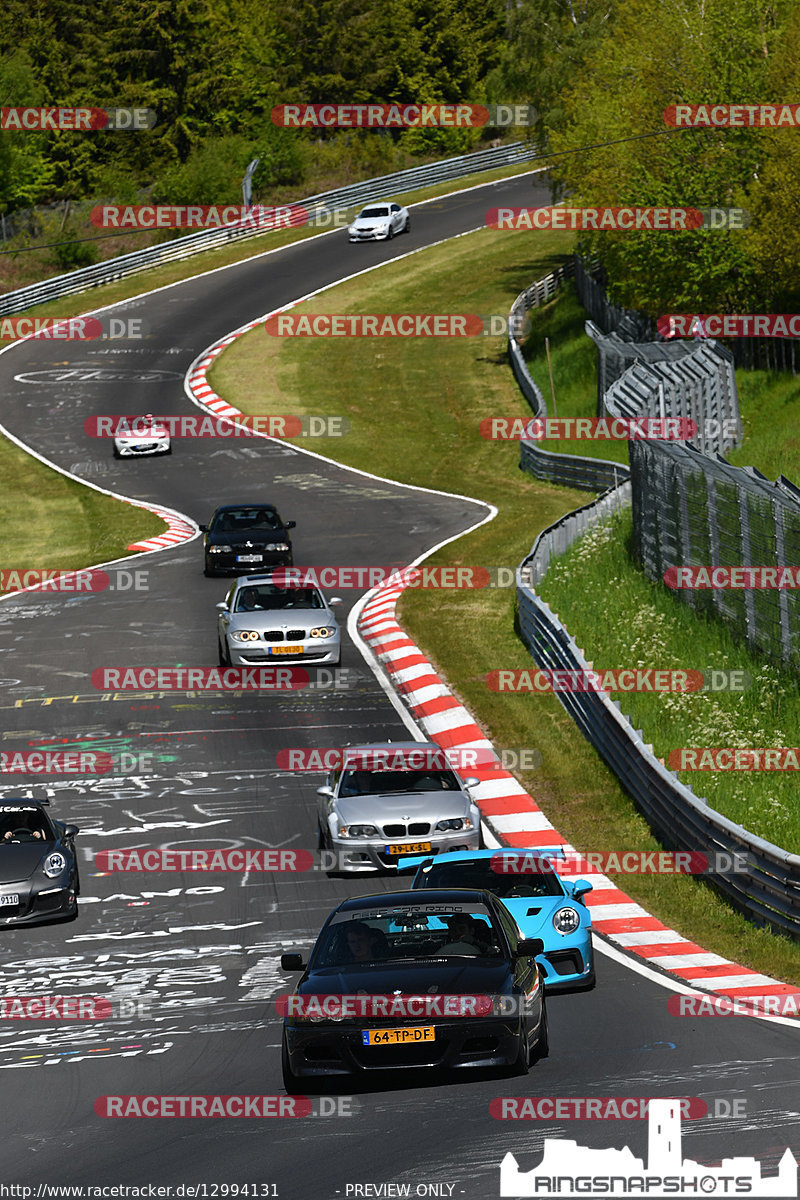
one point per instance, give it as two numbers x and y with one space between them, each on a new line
580 887
203 528
334 600
325 791
70 830
529 948
471 782
222 606
292 962
290 525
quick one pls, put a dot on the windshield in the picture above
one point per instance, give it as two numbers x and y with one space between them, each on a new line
448 931
268 597
243 520
480 874
24 823
375 212
378 783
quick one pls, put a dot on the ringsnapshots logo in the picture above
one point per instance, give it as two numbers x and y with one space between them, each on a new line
569 1170
619 219
731 116
402 116
76 120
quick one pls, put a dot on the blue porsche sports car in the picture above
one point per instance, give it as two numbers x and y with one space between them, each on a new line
543 903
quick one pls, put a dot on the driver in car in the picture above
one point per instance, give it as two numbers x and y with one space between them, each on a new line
467 935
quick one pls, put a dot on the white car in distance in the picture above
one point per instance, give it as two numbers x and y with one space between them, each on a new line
379 222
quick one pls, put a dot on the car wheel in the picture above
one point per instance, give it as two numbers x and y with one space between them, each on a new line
542 1046
522 1063
209 574
168 450
389 233
117 453
407 228
223 656
291 1082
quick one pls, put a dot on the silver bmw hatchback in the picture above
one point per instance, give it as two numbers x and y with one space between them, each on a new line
260 621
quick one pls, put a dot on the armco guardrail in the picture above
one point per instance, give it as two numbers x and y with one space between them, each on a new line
768 891
195 243
589 474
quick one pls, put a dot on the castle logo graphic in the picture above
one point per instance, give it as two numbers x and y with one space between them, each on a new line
570 1170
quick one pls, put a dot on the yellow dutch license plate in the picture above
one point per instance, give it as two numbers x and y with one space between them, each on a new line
398 1037
286 650
409 848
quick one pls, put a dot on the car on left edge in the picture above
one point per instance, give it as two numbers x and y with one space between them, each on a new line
38 866
401 981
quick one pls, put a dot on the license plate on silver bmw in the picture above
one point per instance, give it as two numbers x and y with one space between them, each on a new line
9 900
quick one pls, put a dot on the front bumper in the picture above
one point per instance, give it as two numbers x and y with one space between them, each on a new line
317 651
330 1048
372 235
38 904
360 855
568 967
127 449
226 564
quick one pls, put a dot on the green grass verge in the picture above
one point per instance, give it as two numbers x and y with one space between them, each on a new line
622 619
414 410
573 358
66 525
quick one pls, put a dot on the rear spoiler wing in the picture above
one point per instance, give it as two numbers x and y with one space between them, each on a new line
408 863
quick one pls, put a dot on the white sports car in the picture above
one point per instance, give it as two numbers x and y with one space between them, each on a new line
142 436
379 223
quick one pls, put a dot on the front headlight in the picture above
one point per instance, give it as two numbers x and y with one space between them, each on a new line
566 920
53 865
455 823
277 546
357 831
323 631
218 549
244 635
